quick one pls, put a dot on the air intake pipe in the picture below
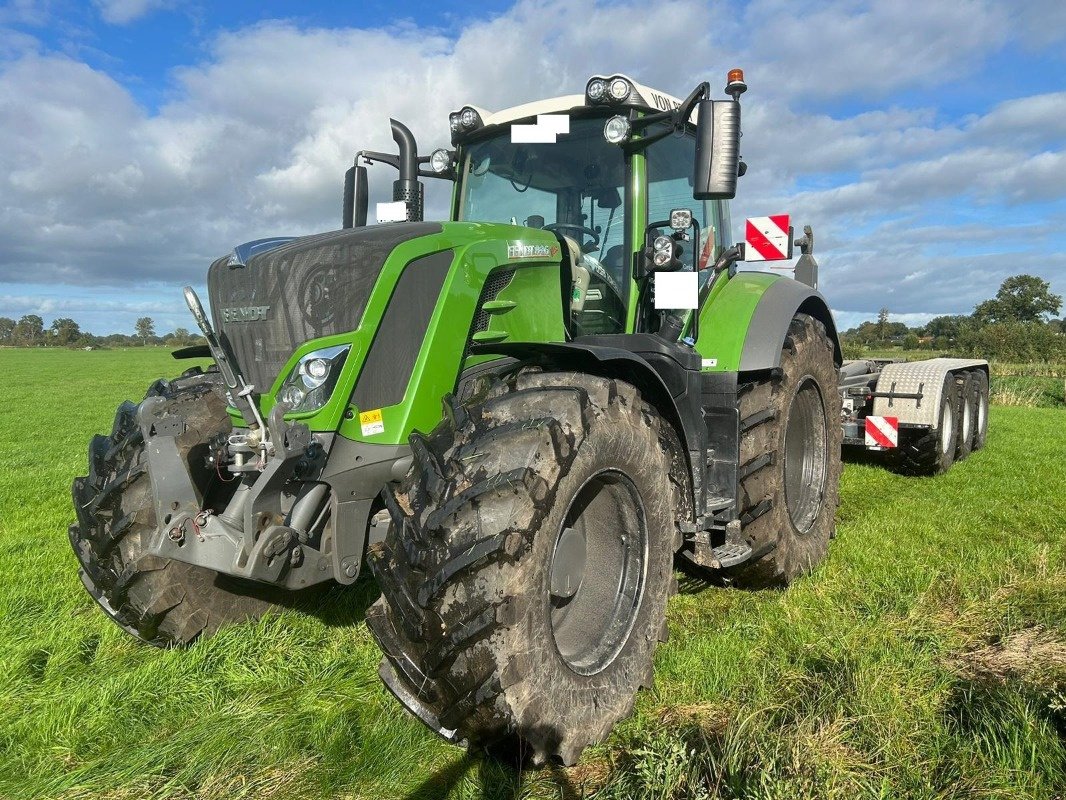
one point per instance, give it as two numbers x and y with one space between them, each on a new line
407 188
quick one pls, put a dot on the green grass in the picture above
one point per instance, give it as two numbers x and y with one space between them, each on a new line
925 658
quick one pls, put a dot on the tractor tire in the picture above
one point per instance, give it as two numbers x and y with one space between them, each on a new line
157 600
966 386
526 570
932 451
980 427
789 470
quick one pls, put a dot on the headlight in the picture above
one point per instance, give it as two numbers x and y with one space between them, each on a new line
596 90
440 161
309 386
616 130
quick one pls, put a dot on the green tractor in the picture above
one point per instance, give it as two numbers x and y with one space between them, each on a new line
517 419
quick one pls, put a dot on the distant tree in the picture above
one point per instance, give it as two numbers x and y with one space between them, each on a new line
66 331
181 337
947 326
145 329
1021 298
29 330
882 324
941 343
911 341
7 328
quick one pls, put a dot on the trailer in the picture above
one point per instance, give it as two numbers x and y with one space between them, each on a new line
921 416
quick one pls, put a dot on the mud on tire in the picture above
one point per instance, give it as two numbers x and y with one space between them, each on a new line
471 620
159 601
789 535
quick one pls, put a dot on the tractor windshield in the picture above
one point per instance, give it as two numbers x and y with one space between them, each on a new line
573 186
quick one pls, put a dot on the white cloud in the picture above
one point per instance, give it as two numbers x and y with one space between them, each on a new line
123 12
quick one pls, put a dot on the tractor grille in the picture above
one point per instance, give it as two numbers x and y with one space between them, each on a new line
309 288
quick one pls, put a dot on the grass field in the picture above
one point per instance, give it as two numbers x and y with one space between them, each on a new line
925 658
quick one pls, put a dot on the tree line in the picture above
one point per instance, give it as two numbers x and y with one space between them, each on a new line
30 331
1018 324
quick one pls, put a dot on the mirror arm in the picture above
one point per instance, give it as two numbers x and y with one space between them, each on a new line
370 157
684 111
636 145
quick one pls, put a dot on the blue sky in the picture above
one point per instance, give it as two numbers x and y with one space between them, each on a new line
925 141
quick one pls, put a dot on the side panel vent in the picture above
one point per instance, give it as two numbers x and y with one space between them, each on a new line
496 283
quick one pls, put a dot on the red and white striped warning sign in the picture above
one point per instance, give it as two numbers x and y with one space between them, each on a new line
882 432
767 238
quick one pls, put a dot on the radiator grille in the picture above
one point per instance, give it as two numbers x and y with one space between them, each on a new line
312 287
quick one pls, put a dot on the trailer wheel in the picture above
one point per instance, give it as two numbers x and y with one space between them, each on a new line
525 573
790 459
968 403
932 451
980 428
157 600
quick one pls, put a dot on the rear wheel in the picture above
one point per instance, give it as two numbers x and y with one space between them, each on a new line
968 411
980 428
159 601
932 451
790 459
524 577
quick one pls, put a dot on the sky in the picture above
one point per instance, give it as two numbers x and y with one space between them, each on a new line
923 140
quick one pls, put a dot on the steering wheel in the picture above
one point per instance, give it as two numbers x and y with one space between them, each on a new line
580 228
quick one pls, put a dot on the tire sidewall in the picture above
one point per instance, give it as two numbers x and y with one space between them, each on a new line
548 679
799 551
949 402
802 549
968 402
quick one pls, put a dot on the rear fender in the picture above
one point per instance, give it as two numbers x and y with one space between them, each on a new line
745 319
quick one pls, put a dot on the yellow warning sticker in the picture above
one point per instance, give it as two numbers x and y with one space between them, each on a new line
370 422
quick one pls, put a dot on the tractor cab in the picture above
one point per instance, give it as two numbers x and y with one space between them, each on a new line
593 169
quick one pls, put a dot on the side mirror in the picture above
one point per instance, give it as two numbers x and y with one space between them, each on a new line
356 198
717 150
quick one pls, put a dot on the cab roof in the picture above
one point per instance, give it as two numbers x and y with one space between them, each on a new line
640 97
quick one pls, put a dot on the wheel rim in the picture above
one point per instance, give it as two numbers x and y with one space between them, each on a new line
967 419
597 572
982 413
947 428
806 455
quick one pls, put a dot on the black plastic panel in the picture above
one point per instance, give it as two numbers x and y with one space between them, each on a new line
398 340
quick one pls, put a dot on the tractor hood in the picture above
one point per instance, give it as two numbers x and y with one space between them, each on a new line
269 303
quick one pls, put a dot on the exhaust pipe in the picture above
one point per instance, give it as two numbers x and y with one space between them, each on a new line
407 188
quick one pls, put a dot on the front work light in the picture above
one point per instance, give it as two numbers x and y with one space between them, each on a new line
616 130
681 219
468 117
620 89
309 386
440 161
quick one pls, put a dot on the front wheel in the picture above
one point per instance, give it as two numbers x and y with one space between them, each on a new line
157 600
524 577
